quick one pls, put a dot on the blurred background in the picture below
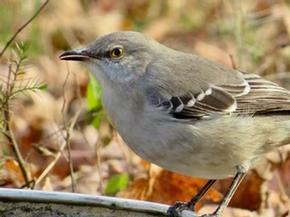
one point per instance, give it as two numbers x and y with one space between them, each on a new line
56 119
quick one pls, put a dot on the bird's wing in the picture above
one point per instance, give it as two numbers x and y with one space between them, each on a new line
264 96
252 95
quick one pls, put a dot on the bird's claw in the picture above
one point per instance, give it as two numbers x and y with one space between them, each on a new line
177 208
209 215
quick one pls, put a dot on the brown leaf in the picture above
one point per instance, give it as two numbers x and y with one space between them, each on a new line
249 193
10 174
167 187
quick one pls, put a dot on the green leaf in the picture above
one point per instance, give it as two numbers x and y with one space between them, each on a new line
43 87
117 183
21 49
30 86
94 94
97 121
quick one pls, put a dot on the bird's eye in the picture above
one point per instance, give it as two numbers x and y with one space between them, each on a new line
117 53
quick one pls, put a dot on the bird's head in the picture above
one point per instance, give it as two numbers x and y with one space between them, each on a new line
121 57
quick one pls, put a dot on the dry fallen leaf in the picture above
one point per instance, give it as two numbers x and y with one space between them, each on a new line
250 192
10 174
167 187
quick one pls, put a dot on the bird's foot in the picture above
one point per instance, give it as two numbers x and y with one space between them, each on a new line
177 208
209 215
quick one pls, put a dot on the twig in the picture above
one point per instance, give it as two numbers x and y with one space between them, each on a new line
11 140
7 128
19 157
68 135
59 153
71 169
98 156
64 87
234 66
22 27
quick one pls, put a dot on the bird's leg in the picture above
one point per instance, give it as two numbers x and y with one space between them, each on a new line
233 187
199 195
177 208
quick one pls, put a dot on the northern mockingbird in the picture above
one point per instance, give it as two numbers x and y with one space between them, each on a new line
186 113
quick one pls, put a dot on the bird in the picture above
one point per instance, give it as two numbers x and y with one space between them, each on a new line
186 113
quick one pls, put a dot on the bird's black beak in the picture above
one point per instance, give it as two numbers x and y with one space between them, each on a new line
75 55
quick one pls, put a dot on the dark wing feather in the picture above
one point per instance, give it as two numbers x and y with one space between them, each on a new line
264 96
254 96
214 100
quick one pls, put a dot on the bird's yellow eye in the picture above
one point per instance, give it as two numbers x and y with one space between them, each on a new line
117 53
